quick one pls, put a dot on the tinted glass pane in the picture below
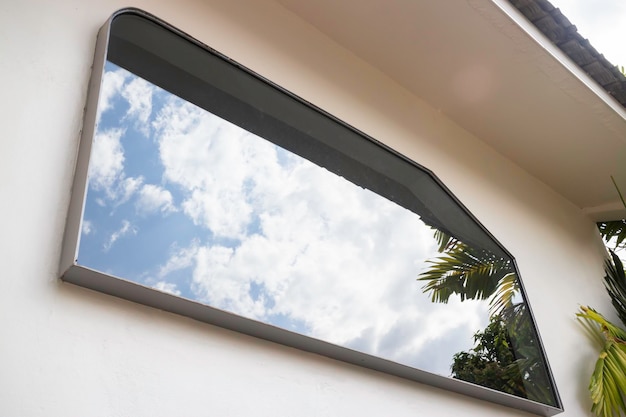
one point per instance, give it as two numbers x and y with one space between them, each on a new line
211 184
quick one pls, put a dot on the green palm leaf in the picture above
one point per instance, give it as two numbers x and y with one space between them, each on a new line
615 283
469 272
615 229
445 241
503 298
608 382
473 273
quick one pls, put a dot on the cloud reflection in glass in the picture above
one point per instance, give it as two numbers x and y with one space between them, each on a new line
212 185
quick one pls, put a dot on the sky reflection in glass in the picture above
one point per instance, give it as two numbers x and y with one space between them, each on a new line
248 208
188 203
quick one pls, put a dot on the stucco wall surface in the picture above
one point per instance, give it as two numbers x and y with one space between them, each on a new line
66 351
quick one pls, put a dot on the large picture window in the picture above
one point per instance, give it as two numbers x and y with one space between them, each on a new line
205 190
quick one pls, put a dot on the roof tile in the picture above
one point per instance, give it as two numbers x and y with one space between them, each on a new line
556 27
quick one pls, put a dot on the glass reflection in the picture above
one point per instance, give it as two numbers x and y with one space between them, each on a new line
354 247
506 355
186 202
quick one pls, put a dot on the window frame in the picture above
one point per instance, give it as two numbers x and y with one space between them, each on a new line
73 272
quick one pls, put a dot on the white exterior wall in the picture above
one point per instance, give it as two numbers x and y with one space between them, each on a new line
67 351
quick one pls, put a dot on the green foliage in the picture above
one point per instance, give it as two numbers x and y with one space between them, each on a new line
615 283
445 241
506 355
466 271
614 229
502 300
608 381
492 362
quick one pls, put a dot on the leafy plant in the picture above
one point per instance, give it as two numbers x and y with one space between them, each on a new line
506 358
491 363
470 273
615 283
614 231
608 381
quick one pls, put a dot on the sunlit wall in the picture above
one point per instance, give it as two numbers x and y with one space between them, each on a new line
68 351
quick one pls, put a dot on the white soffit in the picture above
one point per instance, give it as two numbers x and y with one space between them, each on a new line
492 72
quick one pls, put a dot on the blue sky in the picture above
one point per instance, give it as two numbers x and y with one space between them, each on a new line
190 204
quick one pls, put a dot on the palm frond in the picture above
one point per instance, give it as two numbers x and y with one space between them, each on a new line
591 328
536 380
609 329
608 381
615 229
469 272
513 313
615 283
503 298
445 241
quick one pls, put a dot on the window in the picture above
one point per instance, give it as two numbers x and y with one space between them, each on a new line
205 190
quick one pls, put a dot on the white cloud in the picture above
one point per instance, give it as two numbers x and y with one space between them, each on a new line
179 259
167 287
126 229
127 187
138 93
87 227
106 168
214 279
351 281
191 141
153 198
308 246
107 160
112 82
228 218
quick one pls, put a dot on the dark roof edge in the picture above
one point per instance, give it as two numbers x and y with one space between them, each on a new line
558 29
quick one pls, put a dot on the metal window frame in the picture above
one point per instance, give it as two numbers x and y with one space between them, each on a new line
72 272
